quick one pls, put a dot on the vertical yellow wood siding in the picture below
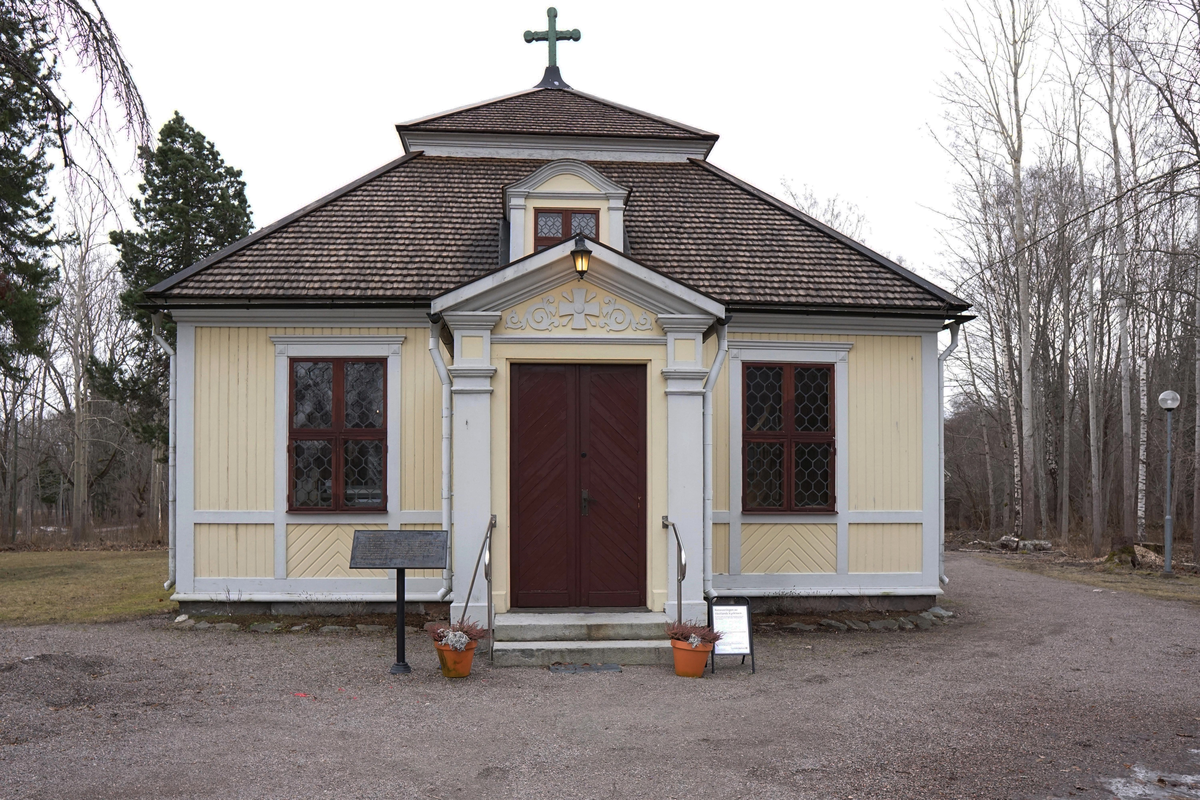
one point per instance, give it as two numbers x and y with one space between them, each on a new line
884 424
720 427
888 547
770 548
720 544
234 419
323 551
421 428
235 551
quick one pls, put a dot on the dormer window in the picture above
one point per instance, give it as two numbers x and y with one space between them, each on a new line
552 226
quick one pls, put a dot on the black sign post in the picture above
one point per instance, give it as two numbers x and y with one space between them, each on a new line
400 550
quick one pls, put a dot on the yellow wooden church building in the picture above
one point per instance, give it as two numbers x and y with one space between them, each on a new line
554 310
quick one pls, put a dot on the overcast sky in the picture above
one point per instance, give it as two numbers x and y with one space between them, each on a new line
303 97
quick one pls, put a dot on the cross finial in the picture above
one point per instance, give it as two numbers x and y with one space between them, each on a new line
552 35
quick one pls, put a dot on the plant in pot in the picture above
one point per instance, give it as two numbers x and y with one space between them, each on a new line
455 644
691 646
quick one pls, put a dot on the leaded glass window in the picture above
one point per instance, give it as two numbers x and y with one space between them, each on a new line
788 438
552 226
338 433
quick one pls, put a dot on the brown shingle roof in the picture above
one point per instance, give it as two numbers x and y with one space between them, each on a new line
421 226
555 112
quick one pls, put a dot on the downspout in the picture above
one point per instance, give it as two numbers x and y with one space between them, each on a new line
713 373
954 326
171 438
435 352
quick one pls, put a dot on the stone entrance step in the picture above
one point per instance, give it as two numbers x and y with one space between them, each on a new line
586 626
581 637
609 651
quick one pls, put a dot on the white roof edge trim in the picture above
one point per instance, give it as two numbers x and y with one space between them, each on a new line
493 282
590 148
565 166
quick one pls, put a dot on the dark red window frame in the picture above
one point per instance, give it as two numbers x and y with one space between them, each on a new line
336 436
789 437
542 242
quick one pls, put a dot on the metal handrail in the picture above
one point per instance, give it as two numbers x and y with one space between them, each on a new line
487 577
485 547
680 569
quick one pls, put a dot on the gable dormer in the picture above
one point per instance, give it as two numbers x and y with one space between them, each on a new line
562 199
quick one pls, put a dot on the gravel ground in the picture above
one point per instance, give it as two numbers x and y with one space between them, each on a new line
1039 688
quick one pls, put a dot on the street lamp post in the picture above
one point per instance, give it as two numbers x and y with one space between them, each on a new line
1169 401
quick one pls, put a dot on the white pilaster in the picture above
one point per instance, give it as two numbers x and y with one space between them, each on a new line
685 462
472 455
185 459
516 226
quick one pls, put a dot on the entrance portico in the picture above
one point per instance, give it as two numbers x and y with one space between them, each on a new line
634 338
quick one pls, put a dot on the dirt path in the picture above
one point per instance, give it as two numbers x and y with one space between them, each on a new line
1039 687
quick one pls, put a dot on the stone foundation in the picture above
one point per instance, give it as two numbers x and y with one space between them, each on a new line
195 608
825 605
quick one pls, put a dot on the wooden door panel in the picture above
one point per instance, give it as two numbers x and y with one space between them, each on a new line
577 427
544 480
613 434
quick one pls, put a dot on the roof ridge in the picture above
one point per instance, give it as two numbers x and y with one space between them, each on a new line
646 114
278 224
907 274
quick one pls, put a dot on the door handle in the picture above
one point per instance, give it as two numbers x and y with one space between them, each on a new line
585 499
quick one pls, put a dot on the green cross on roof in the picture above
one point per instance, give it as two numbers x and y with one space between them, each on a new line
553 35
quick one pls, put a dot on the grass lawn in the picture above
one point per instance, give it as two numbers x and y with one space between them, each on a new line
1184 586
37 588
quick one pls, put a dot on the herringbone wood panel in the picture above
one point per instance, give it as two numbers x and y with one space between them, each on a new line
575 428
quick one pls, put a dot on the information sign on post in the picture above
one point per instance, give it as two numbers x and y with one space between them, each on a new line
730 617
400 550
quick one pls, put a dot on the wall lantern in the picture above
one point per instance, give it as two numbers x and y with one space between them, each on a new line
582 256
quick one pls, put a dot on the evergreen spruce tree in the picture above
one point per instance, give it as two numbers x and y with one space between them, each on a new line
26 232
192 205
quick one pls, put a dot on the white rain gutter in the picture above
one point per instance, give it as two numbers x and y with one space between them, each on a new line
171 438
954 326
435 352
713 373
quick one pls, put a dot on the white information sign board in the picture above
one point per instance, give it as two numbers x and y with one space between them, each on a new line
733 623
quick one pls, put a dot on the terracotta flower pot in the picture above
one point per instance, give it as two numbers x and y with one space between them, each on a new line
690 661
457 663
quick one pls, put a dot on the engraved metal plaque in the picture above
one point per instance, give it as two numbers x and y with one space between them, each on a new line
399 550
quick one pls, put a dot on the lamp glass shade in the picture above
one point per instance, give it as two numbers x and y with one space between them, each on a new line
1169 400
582 256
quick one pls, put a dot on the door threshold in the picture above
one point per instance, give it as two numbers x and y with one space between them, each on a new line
583 610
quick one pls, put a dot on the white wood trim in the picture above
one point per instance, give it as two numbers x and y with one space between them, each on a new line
333 346
584 148
932 467
224 316
765 322
185 457
529 186
841 425
835 353
827 584
230 517
516 281
615 339
299 590
282 402
819 351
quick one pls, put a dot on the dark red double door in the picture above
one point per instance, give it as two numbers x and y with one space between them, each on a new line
578 485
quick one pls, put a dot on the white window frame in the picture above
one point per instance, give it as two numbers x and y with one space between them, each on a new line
783 352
